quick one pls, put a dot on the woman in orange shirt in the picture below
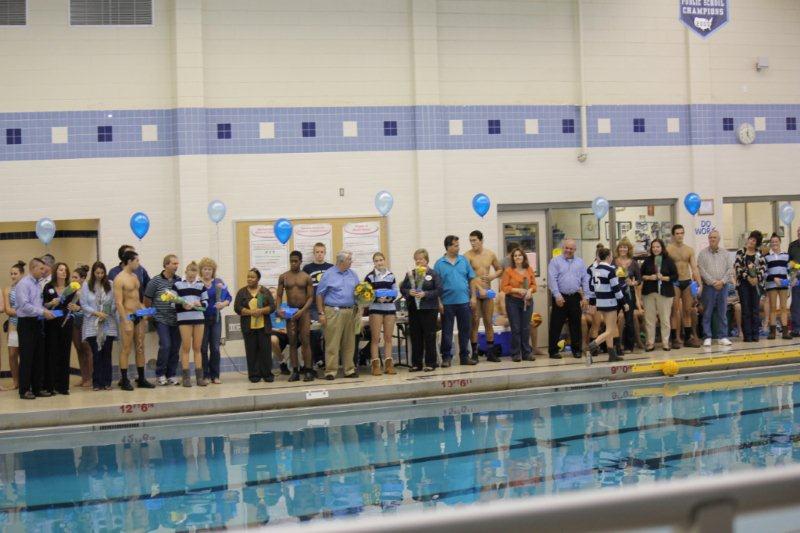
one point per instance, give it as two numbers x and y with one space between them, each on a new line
519 284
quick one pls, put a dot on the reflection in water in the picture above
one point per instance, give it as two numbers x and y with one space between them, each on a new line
480 453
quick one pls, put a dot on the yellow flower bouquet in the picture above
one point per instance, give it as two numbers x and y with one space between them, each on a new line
364 295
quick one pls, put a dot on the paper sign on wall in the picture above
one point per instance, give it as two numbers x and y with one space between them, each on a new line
307 235
362 239
267 254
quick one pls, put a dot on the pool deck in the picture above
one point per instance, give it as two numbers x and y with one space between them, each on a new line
119 409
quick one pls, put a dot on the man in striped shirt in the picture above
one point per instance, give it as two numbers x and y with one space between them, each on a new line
169 336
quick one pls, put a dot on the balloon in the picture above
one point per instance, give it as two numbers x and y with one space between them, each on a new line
45 230
787 214
692 202
216 211
481 204
384 202
600 207
283 230
140 224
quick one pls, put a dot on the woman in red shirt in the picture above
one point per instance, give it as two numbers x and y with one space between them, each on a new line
519 284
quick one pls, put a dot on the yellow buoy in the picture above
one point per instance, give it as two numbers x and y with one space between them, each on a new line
670 368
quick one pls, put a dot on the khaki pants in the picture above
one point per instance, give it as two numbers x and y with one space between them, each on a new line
340 339
657 306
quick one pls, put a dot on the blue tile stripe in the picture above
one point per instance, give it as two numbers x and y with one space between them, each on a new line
188 131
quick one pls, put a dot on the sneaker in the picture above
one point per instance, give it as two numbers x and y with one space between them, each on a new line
725 341
707 343
319 365
309 375
295 376
173 381
162 380
125 384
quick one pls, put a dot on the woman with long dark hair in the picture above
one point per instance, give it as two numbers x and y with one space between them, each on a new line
750 269
82 347
658 273
519 284
58 332
99 324
10 301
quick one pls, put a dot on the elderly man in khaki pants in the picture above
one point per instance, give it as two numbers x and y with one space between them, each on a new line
337 305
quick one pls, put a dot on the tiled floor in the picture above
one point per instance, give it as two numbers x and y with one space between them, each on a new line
237 394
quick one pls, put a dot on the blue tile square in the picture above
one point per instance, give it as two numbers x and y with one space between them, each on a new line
727 124
638 125
13 136
568 125
105 134
494 127
791 123
309 129
224 130
390 128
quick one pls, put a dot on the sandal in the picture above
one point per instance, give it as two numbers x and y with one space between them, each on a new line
429 369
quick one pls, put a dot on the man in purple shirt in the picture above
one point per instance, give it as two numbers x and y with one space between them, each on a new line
569 290
30 312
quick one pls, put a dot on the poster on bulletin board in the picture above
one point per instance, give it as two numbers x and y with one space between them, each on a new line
257 246
267 254
307 235
363 239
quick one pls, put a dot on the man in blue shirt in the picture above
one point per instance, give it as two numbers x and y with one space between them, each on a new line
458 300
31 334
337 305
569 290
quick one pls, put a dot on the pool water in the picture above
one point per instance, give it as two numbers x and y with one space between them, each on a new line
440 453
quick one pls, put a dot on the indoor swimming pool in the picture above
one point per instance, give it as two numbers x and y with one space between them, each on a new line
327 463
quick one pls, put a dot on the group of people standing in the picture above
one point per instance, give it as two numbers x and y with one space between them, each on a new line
683 293
51 309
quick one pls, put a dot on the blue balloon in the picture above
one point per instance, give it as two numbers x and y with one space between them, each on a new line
283 230
140 224
45 230
481 204
216 211
787 214
692 203
384 202
600 207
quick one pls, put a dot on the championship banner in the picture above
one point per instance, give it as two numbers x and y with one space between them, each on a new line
704 17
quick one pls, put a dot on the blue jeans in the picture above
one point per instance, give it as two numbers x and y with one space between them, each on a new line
519 318
169 343
796 308
463 314
211 336
715 301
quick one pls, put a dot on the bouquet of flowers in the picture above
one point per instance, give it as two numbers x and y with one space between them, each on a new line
69 290
794 273
364 295
172 297
419 280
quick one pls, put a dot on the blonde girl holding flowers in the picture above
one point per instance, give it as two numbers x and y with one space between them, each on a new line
382 313
191 320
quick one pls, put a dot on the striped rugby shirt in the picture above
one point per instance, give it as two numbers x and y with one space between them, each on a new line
194 292
382 280
606 291
777 269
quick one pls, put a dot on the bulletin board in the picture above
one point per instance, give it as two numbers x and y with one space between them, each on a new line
247 232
